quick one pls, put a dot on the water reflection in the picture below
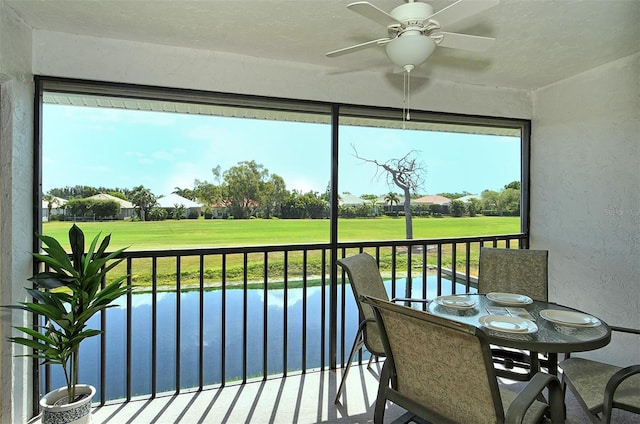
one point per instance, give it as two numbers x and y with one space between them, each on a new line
212 336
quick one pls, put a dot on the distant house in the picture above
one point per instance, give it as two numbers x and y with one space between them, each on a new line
57 208
347 199
171 201
219 210
126 208
359 206
468 197
434 199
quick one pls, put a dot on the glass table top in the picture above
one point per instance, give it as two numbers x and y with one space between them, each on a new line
560 329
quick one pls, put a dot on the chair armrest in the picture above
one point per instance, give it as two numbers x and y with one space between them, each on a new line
624 329
518 408
613 384
405 299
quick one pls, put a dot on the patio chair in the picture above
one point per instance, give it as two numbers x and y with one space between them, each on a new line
600 387
522 271
442 371
364 276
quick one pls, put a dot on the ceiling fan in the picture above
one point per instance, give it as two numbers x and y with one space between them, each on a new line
414 30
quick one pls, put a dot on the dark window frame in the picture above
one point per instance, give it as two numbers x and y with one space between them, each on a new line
219 99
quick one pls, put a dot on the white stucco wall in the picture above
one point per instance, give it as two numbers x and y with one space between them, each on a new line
67 55
585 194
16 229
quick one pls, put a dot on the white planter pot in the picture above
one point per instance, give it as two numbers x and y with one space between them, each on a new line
56 411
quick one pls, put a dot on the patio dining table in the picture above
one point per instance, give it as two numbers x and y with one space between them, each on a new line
550 333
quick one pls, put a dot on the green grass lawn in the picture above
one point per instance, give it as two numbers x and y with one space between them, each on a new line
217 232
214 233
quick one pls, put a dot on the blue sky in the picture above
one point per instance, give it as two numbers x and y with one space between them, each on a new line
119 148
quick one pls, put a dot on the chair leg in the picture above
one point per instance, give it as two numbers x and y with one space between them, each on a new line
358 342
370 361
381 400
552 363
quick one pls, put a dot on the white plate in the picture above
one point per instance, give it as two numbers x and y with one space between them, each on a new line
574 319
508 324
511 299
456 301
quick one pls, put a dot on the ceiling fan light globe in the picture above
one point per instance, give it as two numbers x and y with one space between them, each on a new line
410 50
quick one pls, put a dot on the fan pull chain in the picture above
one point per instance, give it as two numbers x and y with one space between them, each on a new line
406 94
404 98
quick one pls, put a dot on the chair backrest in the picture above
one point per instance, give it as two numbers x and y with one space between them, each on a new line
365 278
522 271
442 365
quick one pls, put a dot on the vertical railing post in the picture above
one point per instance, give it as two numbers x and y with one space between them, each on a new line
394 262
439 268
201 323
285 312
408 289
323 309
129 329
178 320
265 316
425 275
103 350
245 314
304 311
154 326
223 320
454 258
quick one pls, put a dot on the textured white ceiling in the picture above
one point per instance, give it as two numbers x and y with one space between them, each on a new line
538 42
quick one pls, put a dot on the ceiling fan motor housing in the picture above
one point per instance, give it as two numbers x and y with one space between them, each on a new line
412 13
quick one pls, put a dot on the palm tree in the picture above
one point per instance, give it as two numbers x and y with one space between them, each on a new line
143 199
51 202
391 198
374 207
187 193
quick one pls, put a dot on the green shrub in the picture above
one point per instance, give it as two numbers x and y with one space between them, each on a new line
105 208
157 214
79 207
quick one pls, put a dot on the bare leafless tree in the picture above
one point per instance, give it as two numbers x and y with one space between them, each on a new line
406 173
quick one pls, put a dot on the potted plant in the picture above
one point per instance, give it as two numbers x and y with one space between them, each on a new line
66 296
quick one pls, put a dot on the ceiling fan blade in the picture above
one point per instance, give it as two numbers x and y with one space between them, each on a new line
370 11
357 47
465 42
460 10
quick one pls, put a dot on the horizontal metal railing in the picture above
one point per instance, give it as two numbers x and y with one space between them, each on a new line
211 343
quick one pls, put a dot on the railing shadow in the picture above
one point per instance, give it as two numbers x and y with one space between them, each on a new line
304 313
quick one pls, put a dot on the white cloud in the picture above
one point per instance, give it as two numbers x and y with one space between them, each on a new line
162 155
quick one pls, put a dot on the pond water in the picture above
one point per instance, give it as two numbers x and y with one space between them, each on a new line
115 358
